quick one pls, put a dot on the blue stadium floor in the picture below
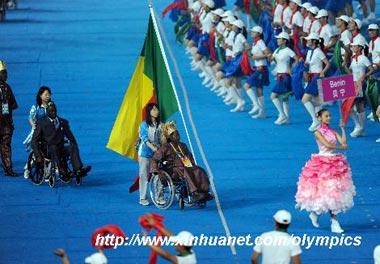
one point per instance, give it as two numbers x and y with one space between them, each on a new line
86 51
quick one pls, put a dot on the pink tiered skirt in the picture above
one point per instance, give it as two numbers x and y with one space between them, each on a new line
325 184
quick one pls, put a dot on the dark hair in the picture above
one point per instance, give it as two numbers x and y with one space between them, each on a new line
282 226
148 117
51 104
320 112
40 92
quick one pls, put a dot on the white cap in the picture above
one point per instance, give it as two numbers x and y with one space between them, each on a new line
257 29
359 42
307 5
96 258
376 254
357 22
344 18
297 2
209 3
283 35
312 36
218 12
282 217
314 10
3 66
322 13
229 19
183 238
228 13
238 23
373 26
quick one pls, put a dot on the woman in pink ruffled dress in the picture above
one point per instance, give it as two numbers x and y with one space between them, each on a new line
325 184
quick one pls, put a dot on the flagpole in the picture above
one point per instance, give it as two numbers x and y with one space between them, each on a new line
170 76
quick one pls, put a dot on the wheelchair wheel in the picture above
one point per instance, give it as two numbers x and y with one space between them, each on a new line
162 190
36 173
52 181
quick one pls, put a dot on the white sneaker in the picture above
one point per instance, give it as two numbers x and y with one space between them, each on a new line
370 117
161 200
254 110
281 120
144 202
215 87
221 92
371 16
314 126
260 115
239 106
26 174
335 226
314 219
357 132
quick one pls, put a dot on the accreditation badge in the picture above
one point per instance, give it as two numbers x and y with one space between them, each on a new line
187 162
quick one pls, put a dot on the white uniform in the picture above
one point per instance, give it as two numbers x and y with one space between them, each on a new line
315 60
306 24
287 14
346 38
282 58
278 14
374 50
315 26
277 253
229 40
326 33
359 66
189 259
258 50
238 45
359 36
206 22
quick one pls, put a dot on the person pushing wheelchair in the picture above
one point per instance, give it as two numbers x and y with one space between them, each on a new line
52 131
180 163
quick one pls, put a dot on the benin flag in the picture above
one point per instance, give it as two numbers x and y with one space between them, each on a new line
150 83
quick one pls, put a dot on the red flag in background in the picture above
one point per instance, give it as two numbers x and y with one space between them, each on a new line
346 108
213 55
245 64
247 6
158 219
176 5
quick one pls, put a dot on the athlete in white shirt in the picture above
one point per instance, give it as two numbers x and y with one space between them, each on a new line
345 37
318 65
282 57
277 247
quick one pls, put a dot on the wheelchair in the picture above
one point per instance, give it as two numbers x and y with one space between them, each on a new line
165 188
48 171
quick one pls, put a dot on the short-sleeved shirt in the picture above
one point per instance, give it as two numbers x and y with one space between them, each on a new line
306 24
206 22
314 59
346 38
229 40
315 26
258 50
359 66
374 50
238 45
279 252
189 259
287 14
277 16
282 58
326 34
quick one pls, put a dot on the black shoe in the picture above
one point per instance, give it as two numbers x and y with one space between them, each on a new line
83 171
66 178
11 174
208 197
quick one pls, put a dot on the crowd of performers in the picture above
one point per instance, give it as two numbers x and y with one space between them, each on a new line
299 43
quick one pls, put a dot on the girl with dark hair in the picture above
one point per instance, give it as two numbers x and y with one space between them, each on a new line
260 77
37 112
315 60
325 184
282 56
149 135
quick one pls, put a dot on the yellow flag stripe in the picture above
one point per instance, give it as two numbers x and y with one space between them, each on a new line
126 127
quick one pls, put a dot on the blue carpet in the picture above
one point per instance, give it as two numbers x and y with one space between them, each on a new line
86 52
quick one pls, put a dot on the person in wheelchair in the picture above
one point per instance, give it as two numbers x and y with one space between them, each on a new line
52 131
180 163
